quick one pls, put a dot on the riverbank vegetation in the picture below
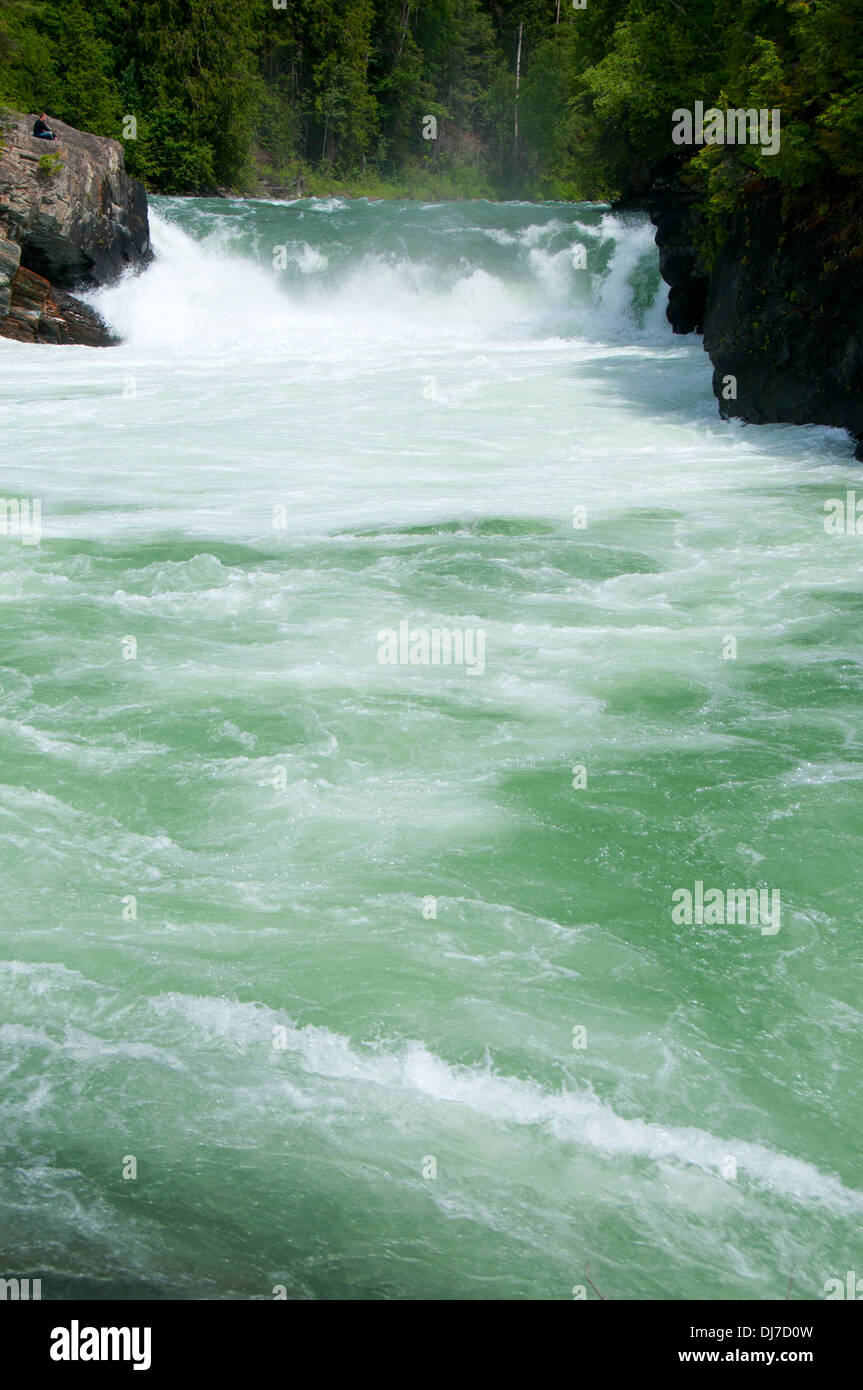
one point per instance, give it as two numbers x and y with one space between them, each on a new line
528 98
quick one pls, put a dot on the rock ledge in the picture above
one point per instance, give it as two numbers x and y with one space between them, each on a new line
70 217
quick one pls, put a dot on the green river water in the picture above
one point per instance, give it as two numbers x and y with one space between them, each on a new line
372 967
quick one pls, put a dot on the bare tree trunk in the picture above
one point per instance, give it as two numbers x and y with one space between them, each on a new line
557 17
406 14
517 85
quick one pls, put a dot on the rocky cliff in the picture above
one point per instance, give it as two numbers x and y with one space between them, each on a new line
780 305
70 217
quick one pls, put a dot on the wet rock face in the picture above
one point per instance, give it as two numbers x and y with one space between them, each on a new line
781 308
70 217
40 313
70 205
784 314
10 259
672 210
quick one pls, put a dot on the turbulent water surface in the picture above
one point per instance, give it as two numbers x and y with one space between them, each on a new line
371 967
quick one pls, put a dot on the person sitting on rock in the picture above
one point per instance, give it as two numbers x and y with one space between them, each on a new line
42 130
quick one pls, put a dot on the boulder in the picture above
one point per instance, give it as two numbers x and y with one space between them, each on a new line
40 313
70 217
70 205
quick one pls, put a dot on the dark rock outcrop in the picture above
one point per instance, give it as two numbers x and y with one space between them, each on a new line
781 307
10 259
784 315
40 313
673 210
70 217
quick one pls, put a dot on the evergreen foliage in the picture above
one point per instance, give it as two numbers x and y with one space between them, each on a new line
243 94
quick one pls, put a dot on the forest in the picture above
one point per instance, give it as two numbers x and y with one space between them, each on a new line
443 98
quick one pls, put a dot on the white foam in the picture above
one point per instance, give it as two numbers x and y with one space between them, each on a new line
204 294
580 1118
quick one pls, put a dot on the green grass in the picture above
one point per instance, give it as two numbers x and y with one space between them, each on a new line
423 181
